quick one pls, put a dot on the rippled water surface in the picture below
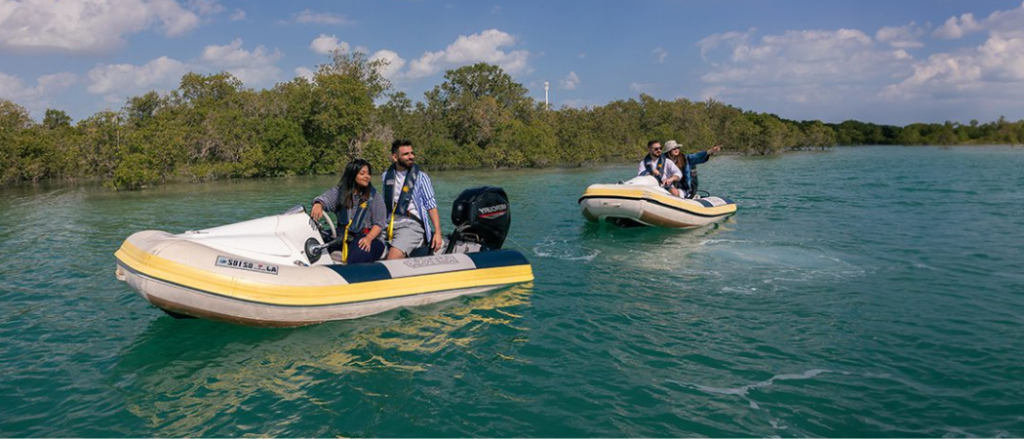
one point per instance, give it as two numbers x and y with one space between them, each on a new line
860 292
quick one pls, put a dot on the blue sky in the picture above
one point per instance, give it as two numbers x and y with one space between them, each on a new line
894 62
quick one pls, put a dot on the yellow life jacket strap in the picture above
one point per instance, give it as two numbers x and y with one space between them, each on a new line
344 243
391 227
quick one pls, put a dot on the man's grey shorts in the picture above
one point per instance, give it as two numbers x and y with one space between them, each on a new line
408 234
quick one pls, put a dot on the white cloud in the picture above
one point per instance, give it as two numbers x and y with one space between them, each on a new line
325 44
992 72
56 82
1006 23
305 72
713 41
712 93
394 63
903 37
205 7
661 54
238 15
802 73
86 25
1002 23
118 81
310 17
813 96
995 70
10 85
570 82
579 103
482 47
125 79
641 87
252 68
807 72
955 28
844 56
35 99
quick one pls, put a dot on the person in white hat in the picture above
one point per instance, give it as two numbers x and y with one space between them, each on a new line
656 165
687 164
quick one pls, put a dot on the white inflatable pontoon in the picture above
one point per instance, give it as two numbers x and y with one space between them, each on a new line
641 201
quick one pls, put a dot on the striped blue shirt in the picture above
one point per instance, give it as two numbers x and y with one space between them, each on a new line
422 198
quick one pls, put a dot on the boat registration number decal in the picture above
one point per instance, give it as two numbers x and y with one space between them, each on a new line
428 261
259 267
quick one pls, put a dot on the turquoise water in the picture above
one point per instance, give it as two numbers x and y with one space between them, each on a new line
861 292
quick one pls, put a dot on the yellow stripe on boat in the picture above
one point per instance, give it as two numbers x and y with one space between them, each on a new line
668 200
166 270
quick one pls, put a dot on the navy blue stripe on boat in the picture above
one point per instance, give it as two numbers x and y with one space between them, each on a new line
705 203
499 258
727 200
691 210
357 273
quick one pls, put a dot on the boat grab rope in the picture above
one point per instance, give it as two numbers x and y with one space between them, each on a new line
524 249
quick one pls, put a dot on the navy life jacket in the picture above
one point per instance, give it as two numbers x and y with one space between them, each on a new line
357 225
407 189
650 165
404 198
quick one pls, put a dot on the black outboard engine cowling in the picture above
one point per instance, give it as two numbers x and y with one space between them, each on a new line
481 215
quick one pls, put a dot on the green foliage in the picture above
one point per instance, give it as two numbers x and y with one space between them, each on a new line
444 153
29 156
143 108
476 102
343 107
213 127
378 153
56 120
198 90
100 142
576 136
815 134
522 145
283 149
134 171
162 142
13 117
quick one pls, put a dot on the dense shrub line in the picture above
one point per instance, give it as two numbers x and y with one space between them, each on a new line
479 117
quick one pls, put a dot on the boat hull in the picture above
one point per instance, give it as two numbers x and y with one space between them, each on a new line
649 205
176 299
188 278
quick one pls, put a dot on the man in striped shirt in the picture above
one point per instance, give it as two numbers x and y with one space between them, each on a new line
409 198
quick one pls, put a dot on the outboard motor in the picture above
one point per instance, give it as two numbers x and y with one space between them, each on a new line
482 217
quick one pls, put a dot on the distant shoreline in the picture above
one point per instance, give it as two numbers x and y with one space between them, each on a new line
212 128
95 182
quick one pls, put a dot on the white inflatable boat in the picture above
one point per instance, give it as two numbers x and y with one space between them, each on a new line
270 271
643 202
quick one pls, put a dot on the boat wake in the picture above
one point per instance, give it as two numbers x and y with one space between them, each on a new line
742 391
564 250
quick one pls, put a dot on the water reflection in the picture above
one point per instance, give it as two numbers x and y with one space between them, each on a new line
651 246
190 378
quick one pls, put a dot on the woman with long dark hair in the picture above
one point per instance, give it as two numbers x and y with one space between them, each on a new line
687 163
360 212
